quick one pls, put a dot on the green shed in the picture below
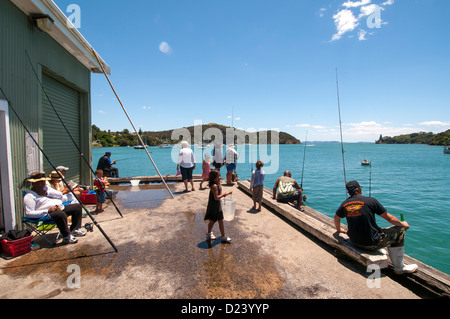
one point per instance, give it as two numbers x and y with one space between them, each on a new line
38 30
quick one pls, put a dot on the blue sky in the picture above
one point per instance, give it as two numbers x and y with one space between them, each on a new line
272 64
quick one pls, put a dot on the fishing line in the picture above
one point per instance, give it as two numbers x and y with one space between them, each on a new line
340 126
62 178
132 124
73 141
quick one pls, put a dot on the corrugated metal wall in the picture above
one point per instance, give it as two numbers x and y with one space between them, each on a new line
18 36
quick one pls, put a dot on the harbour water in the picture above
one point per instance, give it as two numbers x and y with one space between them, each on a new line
413 180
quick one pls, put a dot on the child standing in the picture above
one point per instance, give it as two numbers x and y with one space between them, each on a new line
257 185
206 169
214 211
100 190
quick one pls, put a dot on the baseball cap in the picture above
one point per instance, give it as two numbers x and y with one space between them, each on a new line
352 185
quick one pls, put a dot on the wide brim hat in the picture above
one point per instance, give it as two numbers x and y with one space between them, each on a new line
37 177
55 175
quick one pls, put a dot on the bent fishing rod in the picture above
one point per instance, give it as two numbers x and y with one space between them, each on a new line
340 126
60 175
132 124
68 132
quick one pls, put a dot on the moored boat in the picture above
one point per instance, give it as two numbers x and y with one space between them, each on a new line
366 163
446 149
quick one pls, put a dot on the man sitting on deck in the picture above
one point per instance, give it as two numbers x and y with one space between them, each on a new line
287 190
363 230
105 164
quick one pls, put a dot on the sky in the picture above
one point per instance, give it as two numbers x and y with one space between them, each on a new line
271 65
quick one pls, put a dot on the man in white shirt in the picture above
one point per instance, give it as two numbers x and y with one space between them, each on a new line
43 200
230 157
186 164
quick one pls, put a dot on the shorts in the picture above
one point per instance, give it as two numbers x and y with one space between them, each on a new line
217 165
231 167
258 193
393 236
290 199
101 197
186 173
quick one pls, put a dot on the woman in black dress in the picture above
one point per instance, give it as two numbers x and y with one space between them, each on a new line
214 211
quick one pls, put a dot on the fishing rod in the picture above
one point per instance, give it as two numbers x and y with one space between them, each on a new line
68 132
60 175
132 124
304 156
340 125
370 180
303 169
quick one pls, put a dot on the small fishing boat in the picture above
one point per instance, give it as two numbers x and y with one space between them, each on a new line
140 147
447 150
366 163
165 145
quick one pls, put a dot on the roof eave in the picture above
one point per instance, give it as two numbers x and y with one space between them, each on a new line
64 32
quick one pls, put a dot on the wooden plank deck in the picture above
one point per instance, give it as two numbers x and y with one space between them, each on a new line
322 227
149 179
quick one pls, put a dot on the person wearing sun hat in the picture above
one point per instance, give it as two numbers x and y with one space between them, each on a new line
42 200
360 212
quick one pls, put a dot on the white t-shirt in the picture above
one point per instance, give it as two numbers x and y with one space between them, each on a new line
229 155
186 158
36 206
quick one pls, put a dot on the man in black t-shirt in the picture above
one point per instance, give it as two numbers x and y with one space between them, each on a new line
363 230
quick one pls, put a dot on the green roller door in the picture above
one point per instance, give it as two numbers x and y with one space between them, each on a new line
57 143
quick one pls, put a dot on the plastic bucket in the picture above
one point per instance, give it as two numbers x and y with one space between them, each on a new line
228 208
135 182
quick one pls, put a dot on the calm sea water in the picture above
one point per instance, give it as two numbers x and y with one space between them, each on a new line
413 180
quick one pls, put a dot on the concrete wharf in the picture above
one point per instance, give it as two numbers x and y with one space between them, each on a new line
162 254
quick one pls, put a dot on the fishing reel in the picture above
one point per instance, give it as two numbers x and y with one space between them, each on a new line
89 227
305 199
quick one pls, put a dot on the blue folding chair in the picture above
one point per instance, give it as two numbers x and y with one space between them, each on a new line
40 227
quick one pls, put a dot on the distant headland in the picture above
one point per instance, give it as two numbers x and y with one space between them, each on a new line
102 138
440 139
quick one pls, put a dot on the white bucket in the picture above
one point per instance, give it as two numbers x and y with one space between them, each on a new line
228 208
135 182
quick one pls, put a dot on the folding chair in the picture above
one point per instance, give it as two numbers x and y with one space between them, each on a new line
40 227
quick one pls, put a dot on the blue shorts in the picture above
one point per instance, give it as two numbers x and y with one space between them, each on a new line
231 167
101 197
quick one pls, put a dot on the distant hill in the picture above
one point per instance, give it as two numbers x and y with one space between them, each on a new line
441 139
126 138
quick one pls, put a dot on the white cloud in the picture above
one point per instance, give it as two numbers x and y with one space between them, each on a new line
102 112
165 48
363 14
354 4
322 12
435 123
146 107
362 35
368 10
345 22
